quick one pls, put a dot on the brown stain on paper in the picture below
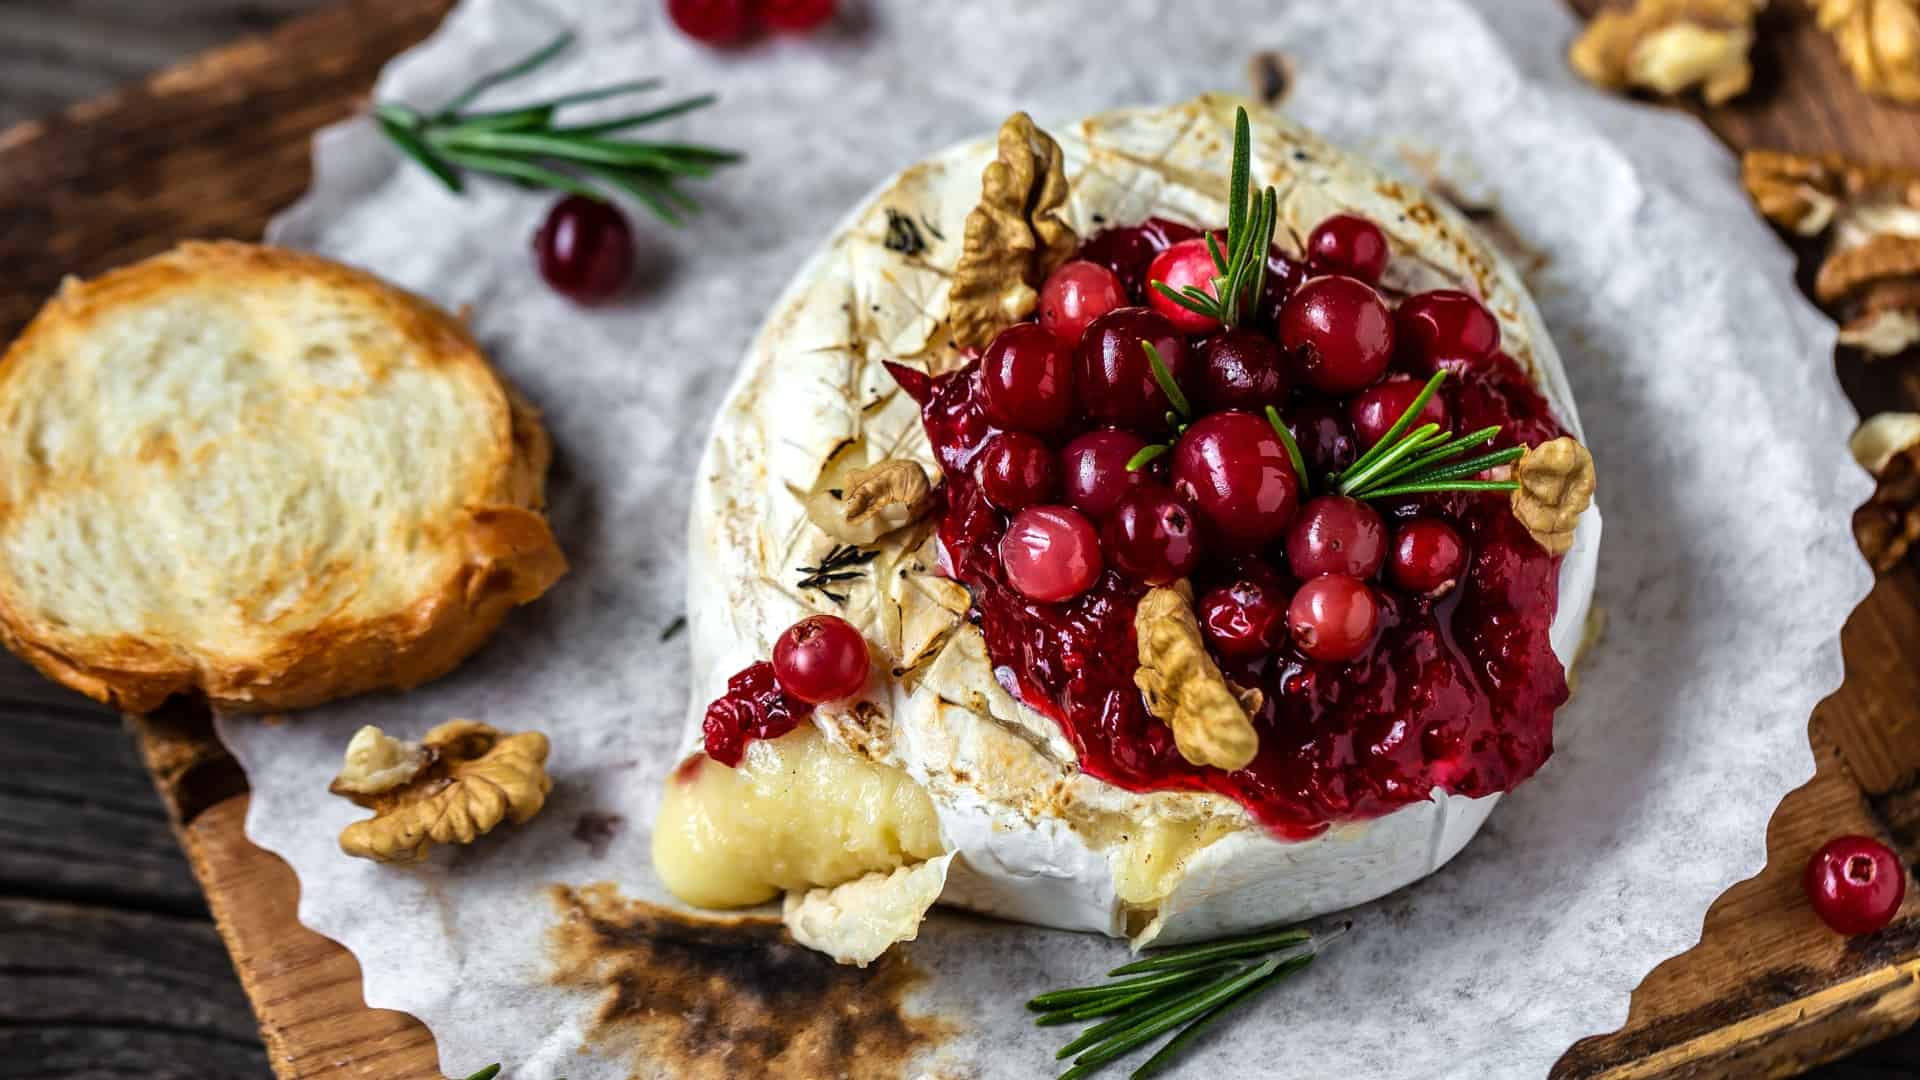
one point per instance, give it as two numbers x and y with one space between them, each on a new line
718 998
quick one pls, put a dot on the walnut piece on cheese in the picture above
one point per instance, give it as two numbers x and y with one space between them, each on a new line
460 782
1556 486
1888 525
874 501
1669 47
1014 237
1184 687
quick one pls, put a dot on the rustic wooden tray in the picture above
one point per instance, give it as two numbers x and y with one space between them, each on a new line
214 147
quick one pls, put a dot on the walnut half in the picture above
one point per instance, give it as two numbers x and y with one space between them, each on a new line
1879 40
1888 525
873 501
1670 46
1183 686
1014 237
1556 486
458 783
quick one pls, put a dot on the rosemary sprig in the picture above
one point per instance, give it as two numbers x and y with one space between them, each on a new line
1241 270
840 564
1424 460
525 144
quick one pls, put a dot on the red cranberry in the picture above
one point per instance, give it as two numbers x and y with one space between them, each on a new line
1152 536
1240 369
1335 534
1339 332
1076 294
1017 470
1348 244
1323 435
1236 472
1026 379
1333 618
585 249
793 16
1116 380
1050 553
1377 408
1244 619
1095 467
1444 323
1428 557
1187 263
1855 884
821 658
1284 276
716 22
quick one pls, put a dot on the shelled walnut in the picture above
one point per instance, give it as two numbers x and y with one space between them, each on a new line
1183 687
1669 47
1879 40
1888 525
1014 237
452 787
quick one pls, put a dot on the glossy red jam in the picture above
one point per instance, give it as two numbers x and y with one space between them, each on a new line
754 707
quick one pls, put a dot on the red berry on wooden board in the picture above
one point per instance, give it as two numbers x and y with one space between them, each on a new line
715 22
1855 884
1051 553
821 658
585 249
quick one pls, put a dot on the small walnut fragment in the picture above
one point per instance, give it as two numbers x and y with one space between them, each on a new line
1879 40
873 501
1875 286
1888 525
1014 237
1806 193
459 782
1669 47
1184 688
1556 486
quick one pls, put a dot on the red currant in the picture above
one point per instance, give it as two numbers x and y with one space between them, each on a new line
1152 536
1333 618
1076 294
1444 323
1855 884
1026 379
585 249
1185 264
1335 534
1240 369
715 22
1376 409
1348 244
1017 470
1114 377
1428 557
1245 619
1095 467
1339 332
793 16
1050 553
1236 472
821 658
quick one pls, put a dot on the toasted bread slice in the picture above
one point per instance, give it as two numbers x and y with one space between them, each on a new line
261 475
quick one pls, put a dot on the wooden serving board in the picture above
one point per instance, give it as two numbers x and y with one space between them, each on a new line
215 147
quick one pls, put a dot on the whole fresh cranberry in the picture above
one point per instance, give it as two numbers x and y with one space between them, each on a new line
1236 472
1095 468
1245 619
1444 323
1324 437
1333 618
1428 557
1026 379
1152 536
1114 377
1185 264
1348 244
821 658
1335 534
715 22
1376 409
1240 369
1074 295
1017 470
585 249
1339 333
1855 884
1050 553
793 16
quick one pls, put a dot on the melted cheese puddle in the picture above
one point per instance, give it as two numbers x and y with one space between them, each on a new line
798 813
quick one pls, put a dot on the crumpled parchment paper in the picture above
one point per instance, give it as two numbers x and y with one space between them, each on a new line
1702 376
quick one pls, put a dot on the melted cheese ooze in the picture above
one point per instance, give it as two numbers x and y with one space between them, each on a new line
798 813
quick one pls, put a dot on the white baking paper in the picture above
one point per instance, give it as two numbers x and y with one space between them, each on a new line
1703 379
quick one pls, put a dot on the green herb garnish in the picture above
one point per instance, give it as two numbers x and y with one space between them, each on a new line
841 563
1424 460
527 145
1179 419
1242 267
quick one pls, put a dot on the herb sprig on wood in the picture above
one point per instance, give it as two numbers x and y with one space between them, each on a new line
528 145
1241 270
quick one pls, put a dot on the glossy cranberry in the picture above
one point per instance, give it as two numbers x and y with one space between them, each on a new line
1128 249
1245 619
1114 378
1325 439
1240 369
1152 536
1185 264
1348 244
585 249
1284 277
1444 323
1376 409
1428 557
1026 378
1339 332
1051 553
1017 470
793 16
1095 468
716 22
1335 534
755 706
1855 884
1333 618
821 658
1236 472
1076 294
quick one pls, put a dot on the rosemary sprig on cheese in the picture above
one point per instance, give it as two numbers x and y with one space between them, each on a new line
1242 267
1425 459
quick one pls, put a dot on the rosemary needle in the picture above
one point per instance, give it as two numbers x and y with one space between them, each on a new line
1196 955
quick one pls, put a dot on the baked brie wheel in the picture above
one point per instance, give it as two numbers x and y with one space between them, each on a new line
1171 630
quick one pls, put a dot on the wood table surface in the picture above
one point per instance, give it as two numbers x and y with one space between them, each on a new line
110 965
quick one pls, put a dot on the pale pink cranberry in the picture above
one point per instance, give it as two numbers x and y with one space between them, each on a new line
1241 369
1335 534
821 658
1333 618
1152 536
1095 468
1115 378
1187 263
1245 619
1236 472
1348 244
1856 884
1376 409
1428 557
1338 332
1051 553
1017 470
1444 324
1026 380
1074 295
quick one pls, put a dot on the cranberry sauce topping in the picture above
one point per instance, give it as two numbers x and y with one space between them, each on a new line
1455 691
754 707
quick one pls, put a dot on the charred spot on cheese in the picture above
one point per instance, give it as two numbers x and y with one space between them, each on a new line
797 813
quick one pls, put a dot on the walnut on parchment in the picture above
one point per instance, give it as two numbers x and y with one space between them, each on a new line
1669 47
455 785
